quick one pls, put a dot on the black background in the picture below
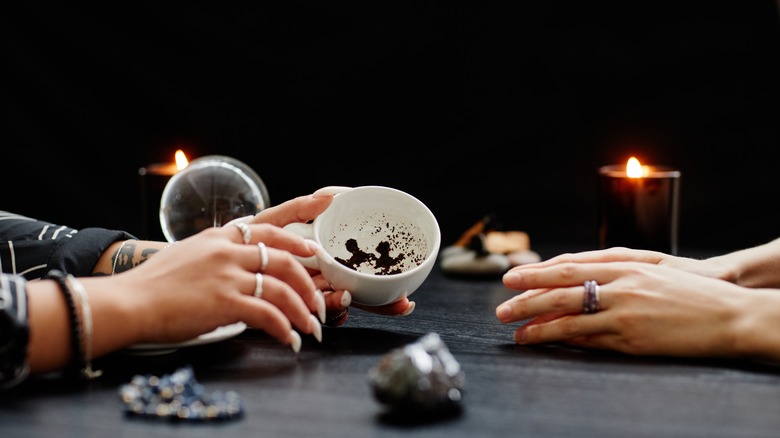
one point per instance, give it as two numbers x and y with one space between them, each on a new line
473 107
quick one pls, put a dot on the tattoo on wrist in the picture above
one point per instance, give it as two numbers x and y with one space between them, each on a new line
146 253
123 259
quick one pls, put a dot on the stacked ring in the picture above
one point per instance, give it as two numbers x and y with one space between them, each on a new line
259 285
263 256
246 233
590 300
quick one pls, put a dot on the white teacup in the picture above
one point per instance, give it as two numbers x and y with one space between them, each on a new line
379 243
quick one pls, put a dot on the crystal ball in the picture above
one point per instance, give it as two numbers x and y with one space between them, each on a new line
210 192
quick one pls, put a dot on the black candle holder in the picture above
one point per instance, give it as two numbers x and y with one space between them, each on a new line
641 212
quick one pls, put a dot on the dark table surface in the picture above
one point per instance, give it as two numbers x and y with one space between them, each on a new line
510 390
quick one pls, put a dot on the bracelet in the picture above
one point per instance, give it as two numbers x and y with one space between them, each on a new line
75 330
118 253
82 365
86 319
14 331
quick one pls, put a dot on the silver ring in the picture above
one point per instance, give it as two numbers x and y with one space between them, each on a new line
259 285
263 256
590 300
246 233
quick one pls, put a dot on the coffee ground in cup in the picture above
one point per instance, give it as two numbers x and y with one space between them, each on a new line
383 265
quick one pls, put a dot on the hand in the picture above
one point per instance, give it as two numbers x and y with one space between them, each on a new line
711 268
208 280
644 308
339 302
307 208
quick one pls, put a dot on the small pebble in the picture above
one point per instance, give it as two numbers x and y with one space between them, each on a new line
518 258
460 260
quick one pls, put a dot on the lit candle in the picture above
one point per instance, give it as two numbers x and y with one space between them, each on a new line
639 206
153 179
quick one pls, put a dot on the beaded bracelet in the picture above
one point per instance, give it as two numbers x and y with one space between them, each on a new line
75 330
81 363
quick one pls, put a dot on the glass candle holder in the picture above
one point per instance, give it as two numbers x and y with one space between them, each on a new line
639 212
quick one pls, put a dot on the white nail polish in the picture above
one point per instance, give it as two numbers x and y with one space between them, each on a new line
330 191
316 328
295 341
319 251
346 299
314 246
409 309
319 300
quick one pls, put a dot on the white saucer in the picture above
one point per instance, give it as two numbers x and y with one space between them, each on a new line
220 334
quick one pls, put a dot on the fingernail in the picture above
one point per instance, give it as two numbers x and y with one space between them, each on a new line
319 302
511 277
346 299
295 341
316 328
319 251
409 309
521 336
313 246
330 191
503 312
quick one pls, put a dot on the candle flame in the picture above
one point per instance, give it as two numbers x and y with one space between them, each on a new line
181 160
634 168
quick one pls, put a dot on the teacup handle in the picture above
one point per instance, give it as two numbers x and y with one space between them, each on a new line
307 232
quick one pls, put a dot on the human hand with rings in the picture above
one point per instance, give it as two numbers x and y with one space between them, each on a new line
712 267
750 267
158 292
638 308
222 276
306 208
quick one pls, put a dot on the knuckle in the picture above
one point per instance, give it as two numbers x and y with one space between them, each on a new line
559 300
569 327
569 271
518 307
286 260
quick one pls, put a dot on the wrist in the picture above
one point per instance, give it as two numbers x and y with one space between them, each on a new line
117 316
756 312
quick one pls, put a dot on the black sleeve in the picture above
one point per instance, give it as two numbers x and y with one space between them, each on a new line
32 247
14 330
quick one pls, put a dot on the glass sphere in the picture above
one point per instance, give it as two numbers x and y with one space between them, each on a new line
210 192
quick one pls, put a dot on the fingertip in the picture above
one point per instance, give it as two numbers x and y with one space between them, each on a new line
330 191
521 335
295 341
316 328
319 300
346 299
312 245
503 312
317 249
511 278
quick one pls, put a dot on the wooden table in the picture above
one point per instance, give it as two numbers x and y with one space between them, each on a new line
510 390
